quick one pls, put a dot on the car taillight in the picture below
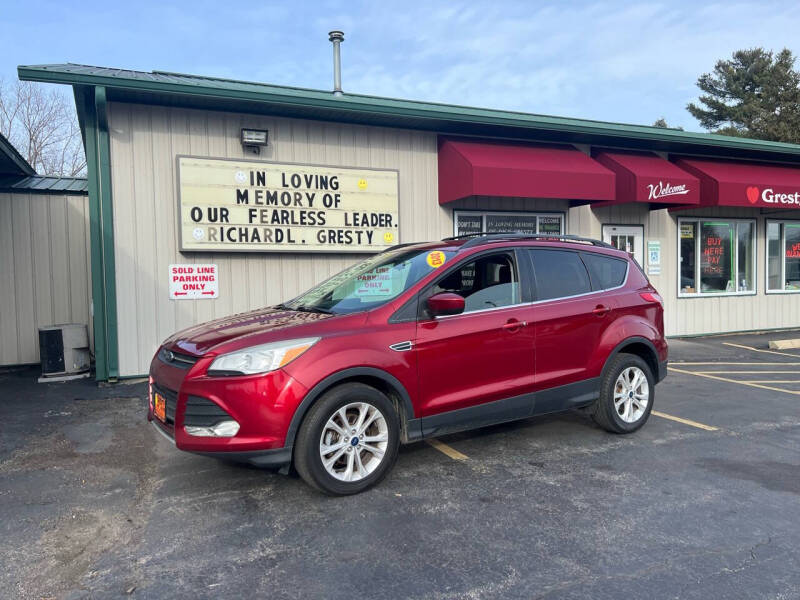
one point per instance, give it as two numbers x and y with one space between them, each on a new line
150 391
652 297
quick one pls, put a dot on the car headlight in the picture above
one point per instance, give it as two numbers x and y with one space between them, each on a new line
260 359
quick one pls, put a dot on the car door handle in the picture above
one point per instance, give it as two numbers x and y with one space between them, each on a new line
514 325
601 310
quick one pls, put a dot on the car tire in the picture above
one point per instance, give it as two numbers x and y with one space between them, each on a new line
326 455
627 392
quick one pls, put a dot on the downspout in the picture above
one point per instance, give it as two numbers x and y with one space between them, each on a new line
84 97
107 224
91 106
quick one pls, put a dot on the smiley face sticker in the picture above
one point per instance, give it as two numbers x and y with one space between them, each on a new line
362 184
388 237
435 259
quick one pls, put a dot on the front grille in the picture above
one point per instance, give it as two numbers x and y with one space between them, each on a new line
170 402
202 412
177 359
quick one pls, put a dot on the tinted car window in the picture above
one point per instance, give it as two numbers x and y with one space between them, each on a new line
488 282
559 273
606 272
371 283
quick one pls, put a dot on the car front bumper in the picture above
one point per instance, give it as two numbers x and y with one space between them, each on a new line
262 405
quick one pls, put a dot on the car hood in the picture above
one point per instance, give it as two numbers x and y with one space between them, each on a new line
201 338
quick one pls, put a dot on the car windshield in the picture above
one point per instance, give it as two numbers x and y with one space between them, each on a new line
372 282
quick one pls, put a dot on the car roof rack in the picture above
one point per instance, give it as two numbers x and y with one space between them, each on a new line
479 239
396 246
462 236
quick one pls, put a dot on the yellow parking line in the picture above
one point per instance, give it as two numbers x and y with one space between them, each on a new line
744 364
771 380
759 350
745 372
445 449
755 385
684 421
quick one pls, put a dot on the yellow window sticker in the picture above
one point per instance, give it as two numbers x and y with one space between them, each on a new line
436 259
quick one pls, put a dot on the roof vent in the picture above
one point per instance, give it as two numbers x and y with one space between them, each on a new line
337 37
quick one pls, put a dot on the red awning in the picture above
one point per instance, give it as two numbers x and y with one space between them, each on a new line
481 169
645 177
745 184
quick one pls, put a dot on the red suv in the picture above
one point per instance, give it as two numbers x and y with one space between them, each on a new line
416 342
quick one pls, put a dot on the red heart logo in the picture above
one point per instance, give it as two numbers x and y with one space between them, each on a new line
752 194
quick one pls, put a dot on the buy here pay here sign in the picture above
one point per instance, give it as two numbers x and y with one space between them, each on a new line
193 282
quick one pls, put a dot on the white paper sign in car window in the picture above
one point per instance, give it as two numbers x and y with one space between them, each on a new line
193 282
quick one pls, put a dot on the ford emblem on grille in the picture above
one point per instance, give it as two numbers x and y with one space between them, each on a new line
170 355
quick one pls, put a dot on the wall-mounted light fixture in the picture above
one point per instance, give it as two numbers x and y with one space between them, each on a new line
254 139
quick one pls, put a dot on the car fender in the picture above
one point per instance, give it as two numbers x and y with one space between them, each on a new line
622 332
349 373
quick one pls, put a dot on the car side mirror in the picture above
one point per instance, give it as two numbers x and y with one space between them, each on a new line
445 303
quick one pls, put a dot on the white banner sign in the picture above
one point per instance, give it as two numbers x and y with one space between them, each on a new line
192 282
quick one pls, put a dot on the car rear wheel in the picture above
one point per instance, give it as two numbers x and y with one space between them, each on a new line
348 441
626 395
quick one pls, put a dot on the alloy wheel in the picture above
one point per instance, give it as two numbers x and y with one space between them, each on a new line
354 441
631 394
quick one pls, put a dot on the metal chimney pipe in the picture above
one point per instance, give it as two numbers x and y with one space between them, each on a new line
337 37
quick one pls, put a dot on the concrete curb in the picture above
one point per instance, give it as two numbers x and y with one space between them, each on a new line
784 344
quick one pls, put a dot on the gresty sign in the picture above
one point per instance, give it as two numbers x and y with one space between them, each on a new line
253 206
769 196
193 281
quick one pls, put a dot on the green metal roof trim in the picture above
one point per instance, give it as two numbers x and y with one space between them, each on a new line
403 113
11 161
39 184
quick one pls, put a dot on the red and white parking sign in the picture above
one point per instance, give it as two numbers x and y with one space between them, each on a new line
192 282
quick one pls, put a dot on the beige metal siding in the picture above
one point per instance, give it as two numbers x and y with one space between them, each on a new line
693 316
44 269
144 143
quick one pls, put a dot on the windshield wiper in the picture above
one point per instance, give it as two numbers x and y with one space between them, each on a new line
312 309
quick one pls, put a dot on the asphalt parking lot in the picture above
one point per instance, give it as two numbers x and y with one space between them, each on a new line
703 502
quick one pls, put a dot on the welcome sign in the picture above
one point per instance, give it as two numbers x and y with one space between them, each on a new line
252 206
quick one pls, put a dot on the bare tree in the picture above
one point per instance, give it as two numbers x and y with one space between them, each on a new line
42 125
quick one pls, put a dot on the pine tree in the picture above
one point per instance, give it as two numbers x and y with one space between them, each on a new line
754 94
662 123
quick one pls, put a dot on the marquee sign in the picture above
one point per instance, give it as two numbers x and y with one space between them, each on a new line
251 206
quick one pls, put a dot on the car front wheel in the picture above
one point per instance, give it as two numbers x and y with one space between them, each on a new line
348 440
626 395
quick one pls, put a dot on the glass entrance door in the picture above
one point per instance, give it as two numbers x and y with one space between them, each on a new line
629 238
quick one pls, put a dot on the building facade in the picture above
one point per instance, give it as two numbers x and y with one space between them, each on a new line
175 180
44 255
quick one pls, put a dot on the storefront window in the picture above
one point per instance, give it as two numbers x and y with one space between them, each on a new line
468 222
688 271
745 281
721 254
783 256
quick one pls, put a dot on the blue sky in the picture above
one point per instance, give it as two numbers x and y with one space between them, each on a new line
615 61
